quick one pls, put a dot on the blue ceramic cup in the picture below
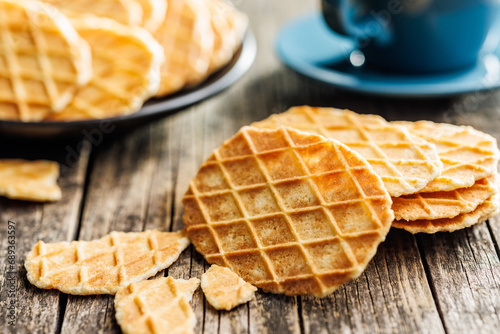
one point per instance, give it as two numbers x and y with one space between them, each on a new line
416 35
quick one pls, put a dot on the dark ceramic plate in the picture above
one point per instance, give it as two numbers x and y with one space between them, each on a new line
152 109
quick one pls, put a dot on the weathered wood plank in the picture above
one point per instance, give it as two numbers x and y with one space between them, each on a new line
465 270
391 296
117 199
37 311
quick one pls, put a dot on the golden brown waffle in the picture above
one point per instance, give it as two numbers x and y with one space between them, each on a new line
467 154
229 26
483 212
102 266
157 306
154 12
288 211
128 12
120 84
29 180
224 289
443 204
405 162
187 38
42 60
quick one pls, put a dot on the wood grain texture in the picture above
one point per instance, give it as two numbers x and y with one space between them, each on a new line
425 284
38 311
391 296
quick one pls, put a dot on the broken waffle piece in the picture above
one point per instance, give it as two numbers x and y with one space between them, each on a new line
29 180
288 211
157 306
103 266
224 289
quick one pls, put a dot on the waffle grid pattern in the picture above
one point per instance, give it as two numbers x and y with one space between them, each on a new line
289 257
187 38
119 85
443 204
156 306
484 211
124 11
154 12
104 265
467 155
405 162
40 66
229 26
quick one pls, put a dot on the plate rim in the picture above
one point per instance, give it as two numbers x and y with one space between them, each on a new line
353 83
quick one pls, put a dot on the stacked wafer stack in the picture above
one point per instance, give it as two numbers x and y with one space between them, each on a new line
63 60
299 202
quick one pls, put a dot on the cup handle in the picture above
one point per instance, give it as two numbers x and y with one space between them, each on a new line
343 18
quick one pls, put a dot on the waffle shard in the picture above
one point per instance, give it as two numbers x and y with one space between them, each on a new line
224 289
29 180
103 266
157 306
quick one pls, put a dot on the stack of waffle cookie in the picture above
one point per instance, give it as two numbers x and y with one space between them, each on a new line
299 202
92 59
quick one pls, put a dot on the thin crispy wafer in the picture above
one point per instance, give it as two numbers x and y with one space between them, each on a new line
406 163
43 61
229 26
29 180
157 306
120 84
443 204
467 154
127 12
105 265
289 212
224 289
483 212
154 12
187 38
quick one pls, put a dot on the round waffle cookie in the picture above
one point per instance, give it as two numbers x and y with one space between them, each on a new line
486 210
467 154
42 60
406 163
289 212
120 84
443 204
128 12
187 38
229 26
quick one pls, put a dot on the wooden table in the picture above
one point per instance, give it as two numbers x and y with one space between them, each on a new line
426 283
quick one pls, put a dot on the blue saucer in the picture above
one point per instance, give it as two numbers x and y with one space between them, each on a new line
308 46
